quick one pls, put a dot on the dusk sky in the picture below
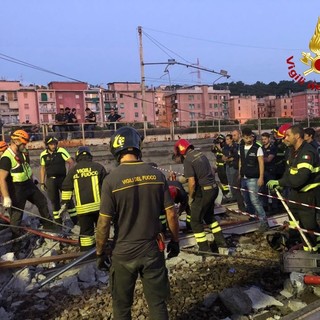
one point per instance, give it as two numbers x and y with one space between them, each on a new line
97 41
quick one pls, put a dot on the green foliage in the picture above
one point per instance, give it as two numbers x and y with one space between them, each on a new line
261 89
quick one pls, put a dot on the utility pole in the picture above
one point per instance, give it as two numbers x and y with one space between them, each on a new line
143 87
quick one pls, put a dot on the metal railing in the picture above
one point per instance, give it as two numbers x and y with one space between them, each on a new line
195 127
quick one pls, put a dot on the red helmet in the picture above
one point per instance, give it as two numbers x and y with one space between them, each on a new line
181 146
3 146
173 192
281 133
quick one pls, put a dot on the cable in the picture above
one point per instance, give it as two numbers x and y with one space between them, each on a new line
225 43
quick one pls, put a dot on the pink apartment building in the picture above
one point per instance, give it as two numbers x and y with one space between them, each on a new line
283 107
305 104
243 108
27 99
9 106
187 105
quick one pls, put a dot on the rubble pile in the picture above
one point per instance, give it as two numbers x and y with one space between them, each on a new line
202 287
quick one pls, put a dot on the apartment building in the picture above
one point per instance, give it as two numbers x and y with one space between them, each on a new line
187 105
283 107
243 108
9 106
305 104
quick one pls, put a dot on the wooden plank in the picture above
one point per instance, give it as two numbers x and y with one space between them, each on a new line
36 261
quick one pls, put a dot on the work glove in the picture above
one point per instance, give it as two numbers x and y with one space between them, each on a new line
273 184
43 187
173 249
190 201
103 262
7 203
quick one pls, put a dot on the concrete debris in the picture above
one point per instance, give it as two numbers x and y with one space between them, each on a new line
74 289
297 280
296 305
261 300
236 300
209 299
21 280
4 315
8 257
87 273
42 294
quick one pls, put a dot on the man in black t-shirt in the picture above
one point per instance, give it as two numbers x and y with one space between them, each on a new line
60 126
90 120
113 117
203 191
133 196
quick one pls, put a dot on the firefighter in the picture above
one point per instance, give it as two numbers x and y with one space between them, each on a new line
279 143
85 181
3 147
302 176
17 185
134 195
219 142
53 162
203 191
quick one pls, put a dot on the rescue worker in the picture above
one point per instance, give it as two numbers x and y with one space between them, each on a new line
17 185
310 137
203 191
219 142
280 158
85 181
3 147
53 162
302 176
252 173
134 195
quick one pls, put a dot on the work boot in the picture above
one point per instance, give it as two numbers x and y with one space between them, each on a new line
204 247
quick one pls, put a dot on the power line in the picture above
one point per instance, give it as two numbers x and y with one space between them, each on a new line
224 43
32 66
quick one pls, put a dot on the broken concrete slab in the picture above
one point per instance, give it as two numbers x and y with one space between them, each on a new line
261 300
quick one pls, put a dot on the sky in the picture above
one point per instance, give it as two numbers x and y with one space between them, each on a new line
96 41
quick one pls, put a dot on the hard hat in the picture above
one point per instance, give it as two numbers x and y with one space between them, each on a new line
281 133
83 150
125 140
181 146
3 146
173 192
51 139
20 135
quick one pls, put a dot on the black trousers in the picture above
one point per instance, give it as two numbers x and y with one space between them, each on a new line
54 186
306 216
202 208
87 224
222 175
20 194
154 276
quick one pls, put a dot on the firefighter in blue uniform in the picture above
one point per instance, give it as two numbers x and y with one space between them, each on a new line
134 195
85 181
53 162
302 176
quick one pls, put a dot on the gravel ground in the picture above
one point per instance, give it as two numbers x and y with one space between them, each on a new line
192 284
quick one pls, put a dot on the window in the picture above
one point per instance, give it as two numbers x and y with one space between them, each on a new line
285 113
77 96
59 96
238 100
44 96
239 108
191 97
26 105
51 95
216 114
215 105
198 105
27 117
191 106
121 95
215 97
135 95
25 95
198 97
121 105
210 97
135 105
192 115
136 114
284 107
